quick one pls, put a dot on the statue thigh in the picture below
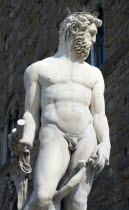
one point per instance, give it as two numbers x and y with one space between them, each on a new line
51 164
77 199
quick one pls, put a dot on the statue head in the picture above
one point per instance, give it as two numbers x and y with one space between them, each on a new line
82 28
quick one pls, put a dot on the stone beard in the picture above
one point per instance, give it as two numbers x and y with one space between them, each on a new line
81 29
82 45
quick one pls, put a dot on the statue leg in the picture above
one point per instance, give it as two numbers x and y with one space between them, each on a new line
52 162
77 199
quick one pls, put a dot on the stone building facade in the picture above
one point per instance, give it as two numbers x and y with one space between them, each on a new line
29 32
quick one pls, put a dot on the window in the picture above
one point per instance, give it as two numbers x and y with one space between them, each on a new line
12 123
11 118
97 54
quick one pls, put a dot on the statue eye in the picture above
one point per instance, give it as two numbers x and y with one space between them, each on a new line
83 27
92 34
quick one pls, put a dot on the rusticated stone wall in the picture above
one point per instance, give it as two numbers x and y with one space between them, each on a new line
29 32
111 188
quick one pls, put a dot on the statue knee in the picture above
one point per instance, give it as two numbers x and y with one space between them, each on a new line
43 199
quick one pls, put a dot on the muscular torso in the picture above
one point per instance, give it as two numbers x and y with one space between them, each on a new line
66 90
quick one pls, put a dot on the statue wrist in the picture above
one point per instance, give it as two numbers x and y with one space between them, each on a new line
27 141
105 144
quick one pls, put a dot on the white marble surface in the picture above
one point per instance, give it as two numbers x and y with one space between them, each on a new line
70 95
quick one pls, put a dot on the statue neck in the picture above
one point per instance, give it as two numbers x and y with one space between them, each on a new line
66 50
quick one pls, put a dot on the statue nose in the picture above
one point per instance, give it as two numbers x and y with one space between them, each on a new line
93 39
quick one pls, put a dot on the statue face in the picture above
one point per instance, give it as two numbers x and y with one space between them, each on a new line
83 40
92 31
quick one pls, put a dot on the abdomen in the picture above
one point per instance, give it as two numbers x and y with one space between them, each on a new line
68 116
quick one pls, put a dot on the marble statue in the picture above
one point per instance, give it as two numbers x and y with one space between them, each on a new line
65 103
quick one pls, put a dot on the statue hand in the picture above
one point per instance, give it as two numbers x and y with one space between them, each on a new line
13 141
82 164
15 144
26 143
100 157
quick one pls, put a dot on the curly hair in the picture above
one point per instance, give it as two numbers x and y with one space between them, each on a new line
81 19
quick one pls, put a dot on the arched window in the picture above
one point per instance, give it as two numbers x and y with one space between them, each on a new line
11 117
99 46
97 54
12 123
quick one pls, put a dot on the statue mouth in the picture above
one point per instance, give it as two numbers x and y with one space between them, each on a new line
82 47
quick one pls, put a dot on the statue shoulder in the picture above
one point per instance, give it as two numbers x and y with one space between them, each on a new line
99 79
99 75
97 72
31 73
32 70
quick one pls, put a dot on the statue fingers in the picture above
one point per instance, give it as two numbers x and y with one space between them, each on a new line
100 166
12 138
95 153
23 141
103 160
13 144
96 164
106 161
14 148
81 164
91 162
14 135
26 143
96 160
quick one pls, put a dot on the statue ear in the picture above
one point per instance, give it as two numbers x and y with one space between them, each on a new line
73 28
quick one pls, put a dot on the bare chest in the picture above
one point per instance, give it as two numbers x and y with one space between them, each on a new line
62 75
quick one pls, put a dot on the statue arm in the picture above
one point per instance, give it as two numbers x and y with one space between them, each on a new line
32 105
98 111
100 156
